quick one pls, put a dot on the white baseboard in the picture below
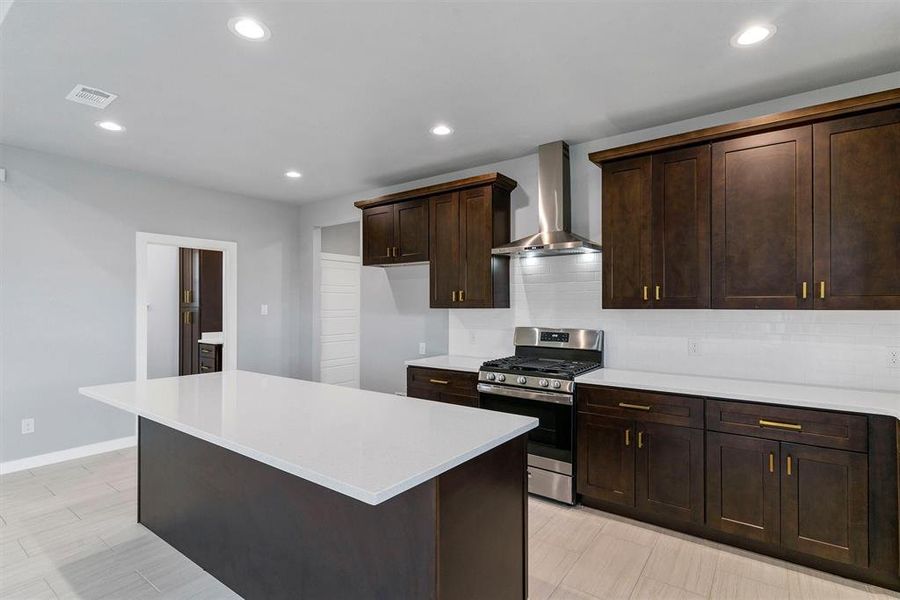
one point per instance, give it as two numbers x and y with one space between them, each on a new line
42 460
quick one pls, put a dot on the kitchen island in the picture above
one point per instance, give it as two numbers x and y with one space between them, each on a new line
283 488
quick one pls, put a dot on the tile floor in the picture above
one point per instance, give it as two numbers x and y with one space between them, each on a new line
69 531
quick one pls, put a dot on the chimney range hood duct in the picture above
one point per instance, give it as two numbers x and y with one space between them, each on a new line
554 210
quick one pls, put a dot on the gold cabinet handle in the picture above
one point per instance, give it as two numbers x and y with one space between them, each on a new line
187 296
440 381
822 290
657 292
789 464
805 291
454 295
396 251
646 293
780 425
628 437
640 439
186 318
634 406
205 350
462 295
389 252
771 462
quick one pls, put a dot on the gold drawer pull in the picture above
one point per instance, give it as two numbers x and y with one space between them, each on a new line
805 290
462 295
453 295
646 294
789 464
779 425
628 437
634 406
205 350
822 289
657 292
771 462
640 439
440 381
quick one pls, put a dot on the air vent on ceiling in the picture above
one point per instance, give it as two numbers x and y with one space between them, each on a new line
83 94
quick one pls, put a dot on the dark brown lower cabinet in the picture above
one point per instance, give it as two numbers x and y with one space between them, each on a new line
824 503
669 471
606 458
742 484
655 467
442 385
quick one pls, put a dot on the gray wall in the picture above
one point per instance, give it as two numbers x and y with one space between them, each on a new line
67 305
341 239
163 314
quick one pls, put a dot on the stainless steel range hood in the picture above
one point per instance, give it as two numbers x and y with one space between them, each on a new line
554 210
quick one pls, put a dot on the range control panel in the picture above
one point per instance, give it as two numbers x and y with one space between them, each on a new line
555 336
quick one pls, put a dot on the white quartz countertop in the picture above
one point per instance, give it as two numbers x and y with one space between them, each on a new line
450 362
367 445
809 396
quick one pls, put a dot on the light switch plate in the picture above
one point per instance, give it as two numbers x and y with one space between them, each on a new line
27 426
263 309
421 347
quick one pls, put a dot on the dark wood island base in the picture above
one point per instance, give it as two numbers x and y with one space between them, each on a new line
268 534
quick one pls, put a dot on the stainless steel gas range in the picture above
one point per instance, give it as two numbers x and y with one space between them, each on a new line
539 381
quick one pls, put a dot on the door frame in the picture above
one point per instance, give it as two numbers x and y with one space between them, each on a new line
229 294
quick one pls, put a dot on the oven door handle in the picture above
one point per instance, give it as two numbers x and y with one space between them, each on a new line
502 390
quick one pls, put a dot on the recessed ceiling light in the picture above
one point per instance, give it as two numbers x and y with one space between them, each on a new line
441 129
249 29
753 35
109 126
293 174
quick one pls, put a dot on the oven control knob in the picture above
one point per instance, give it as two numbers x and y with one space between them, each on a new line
543 383
501 377
556 385
491 376
521 380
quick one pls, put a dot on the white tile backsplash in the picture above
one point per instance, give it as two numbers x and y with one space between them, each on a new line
834 348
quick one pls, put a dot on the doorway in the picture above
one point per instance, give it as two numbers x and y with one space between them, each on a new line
338 300
186 312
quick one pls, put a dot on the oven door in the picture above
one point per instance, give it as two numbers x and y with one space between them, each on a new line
550 444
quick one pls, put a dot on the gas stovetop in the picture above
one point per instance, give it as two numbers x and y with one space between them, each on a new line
551 367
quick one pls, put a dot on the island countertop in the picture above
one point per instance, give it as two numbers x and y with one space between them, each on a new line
367 445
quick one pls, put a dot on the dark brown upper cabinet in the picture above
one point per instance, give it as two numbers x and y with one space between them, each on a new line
396 233
857 212
795 210
762 221
464 226
681 228
656 231
453 226
626 233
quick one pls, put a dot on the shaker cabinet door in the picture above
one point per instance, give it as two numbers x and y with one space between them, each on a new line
475 213
627 233
411 231
444 234
762 220
681 228
857 212
606 458
378 235
669 471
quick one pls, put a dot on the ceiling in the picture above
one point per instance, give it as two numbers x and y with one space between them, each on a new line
346 92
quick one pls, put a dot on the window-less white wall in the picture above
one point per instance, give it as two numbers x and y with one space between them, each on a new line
162 310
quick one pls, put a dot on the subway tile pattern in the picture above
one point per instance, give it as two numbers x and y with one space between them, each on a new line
832 348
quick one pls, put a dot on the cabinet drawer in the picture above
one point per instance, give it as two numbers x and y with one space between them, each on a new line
441 380
804 426
641 406
208 350
207 364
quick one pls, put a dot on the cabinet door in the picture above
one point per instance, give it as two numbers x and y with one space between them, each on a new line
626 233
475 228
411 231
189 311
681 228
742 486
824 503
378 235
606 458
762 220
669 471
857 212
444 242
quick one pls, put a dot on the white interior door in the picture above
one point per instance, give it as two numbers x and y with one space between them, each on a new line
339 328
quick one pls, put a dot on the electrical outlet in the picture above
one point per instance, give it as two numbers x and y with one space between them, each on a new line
693 347
263 309
27 425
893 358
421 347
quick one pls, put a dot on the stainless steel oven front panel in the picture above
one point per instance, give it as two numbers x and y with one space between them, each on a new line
503 390
548 464
550 485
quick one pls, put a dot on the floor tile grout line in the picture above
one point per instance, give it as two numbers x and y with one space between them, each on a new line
141 575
